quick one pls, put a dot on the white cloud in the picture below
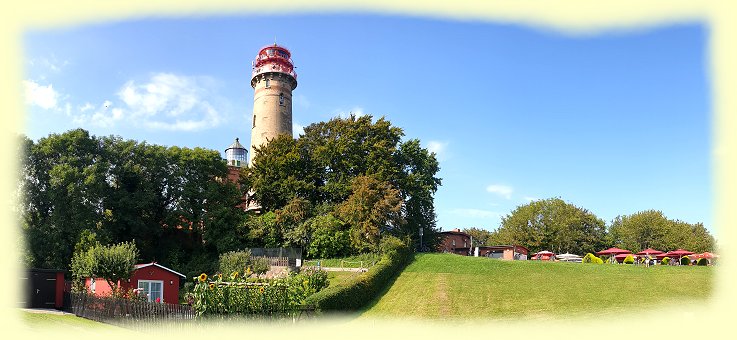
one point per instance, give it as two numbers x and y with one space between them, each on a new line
501 190
437 147
51 63
42 96
356 111
86 107
297 129
104 116
478 213
171 102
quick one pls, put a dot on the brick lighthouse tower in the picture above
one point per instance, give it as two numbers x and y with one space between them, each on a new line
273 80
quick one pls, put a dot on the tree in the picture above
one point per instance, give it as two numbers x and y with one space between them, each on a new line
62 185
83 260
330 237
652 229
552 224
115 262
373 207
172 200
480 236
280 171
321 166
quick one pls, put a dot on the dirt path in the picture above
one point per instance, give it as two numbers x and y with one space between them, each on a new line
441 294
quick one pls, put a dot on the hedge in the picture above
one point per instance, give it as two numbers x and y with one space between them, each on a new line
353 294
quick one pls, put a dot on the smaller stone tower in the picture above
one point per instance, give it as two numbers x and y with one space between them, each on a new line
273 80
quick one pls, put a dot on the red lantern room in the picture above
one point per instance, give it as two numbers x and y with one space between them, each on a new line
276 59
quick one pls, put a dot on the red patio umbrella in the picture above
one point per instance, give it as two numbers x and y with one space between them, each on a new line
704 255
613 251
621 257
678 252
650 251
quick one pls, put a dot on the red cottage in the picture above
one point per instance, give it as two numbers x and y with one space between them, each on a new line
159 283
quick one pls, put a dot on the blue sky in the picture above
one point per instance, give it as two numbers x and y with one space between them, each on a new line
616 122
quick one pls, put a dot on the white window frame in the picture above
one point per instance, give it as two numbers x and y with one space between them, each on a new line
150 298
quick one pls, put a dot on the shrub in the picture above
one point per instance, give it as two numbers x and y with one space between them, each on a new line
702 262
234 261
591 258
685 261
357 292
260 265
665 260
629 259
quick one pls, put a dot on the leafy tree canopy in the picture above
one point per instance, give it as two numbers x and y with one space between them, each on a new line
652 229
552 224
357 169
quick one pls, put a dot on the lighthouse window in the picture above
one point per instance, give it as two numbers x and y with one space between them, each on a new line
267 83
254 121
281 98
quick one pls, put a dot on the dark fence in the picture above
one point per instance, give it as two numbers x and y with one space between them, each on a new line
131 313
292 254
276 261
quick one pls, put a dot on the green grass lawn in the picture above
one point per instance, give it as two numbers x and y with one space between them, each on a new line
337 277
47 321
446 286
348 262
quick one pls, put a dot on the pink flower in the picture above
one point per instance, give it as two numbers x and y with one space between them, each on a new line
158 300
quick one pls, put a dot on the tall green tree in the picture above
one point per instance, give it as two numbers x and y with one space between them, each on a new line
172 200
652 229
323 163
373 207
63 189
280 171
552 224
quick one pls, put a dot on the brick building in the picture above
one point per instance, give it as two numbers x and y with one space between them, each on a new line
455 241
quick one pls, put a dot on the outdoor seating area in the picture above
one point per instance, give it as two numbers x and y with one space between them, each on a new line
651 256
546 255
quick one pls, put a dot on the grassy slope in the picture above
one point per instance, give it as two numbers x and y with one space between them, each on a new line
444 285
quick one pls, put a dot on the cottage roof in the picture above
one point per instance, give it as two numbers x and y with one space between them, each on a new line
144 265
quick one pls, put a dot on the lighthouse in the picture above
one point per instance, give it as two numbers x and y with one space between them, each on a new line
273 79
